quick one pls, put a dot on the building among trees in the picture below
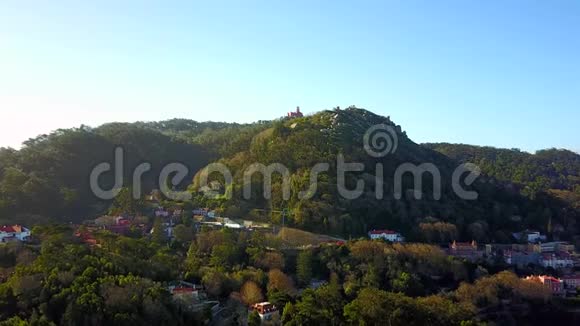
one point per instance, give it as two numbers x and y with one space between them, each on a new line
266 310
386 235
13 232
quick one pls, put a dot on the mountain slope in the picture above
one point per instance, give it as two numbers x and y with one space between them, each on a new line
553 171
301 143
48 177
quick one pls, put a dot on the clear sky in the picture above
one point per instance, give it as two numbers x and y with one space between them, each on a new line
504 73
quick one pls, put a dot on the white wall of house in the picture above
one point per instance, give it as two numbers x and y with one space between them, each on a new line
21 236
395 237
557 263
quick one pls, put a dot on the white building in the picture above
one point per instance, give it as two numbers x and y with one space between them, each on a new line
13 232
557 260
266 310
571 281
534 237
386 235
530 236
556 246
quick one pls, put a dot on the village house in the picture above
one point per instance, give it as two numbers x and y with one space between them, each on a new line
557 260
266 310
465 250
571 281
122 226
555 285
529 236
13 233
555 246
495 248
386 235
190 296
558 254
191 292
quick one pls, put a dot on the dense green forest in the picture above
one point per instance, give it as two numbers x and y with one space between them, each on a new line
48 178
58 280
550 169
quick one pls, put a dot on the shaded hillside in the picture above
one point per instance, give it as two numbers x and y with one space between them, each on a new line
49 176
546 169
218 138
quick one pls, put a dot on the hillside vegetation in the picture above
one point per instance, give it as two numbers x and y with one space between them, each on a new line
301 143
557 169
48 178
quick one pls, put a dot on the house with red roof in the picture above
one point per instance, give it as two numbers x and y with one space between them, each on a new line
266 310
191 296
190 293
388 235
465 250
13 232
555 285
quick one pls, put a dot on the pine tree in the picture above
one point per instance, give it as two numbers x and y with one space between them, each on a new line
304 267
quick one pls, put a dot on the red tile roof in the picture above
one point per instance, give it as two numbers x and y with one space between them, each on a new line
123 221
551 278
183 289
7 229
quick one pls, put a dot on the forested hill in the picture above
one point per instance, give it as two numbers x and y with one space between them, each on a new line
552 170
48 177
302 142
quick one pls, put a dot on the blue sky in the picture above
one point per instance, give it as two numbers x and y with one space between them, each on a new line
500 73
